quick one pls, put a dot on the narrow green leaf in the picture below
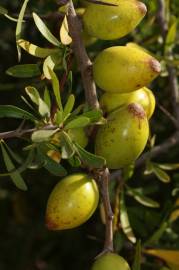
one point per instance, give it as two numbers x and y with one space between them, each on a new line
24 71
142 199
15 112
79 122
43 109
16 177
58 119
3 10
56 88
14 155
128 171
33 93
36 50
125 223
52 166
68 149
157 234
26 164
89 159
74 161
93 115
52 61
12 18
138 254
47 98
171 35
19 26
42 135
161 175
45 31
69 106
168 166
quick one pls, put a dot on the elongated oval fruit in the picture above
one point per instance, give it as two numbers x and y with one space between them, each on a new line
109 22
124 137
122 69
144 96
110 261
72 202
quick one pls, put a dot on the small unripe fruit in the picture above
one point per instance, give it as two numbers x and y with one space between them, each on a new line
79 136
144 96
124 137
111 22
72 202
122 69
110 261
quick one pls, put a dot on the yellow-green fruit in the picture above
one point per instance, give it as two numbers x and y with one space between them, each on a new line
72 202
110 261
79 136
144 96
111 22
122 69
122 139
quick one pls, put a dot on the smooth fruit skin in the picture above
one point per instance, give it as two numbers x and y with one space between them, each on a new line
124 137
112 22
72 202
144 96
110 261
122 69
79 136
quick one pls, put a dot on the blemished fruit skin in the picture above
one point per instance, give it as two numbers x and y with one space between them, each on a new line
72 202
122 69
144 96
110 261
123 138
112 22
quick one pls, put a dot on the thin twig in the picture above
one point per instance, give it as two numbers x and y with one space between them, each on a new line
17 133
168 114
82 58
171 70
108 245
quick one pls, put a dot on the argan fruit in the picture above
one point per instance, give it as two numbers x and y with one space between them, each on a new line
124 137
122 69
110 261
144 96
72 202
109 22
79 136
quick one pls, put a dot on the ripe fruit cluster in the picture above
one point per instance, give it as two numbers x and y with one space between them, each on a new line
123 73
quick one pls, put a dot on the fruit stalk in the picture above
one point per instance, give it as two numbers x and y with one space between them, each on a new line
83 60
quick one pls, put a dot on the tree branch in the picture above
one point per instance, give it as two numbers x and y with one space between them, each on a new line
104 182
82 58
85 66
17 133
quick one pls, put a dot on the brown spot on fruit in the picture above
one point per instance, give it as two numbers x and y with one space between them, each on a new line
137 110
155 65
50 225
142 7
